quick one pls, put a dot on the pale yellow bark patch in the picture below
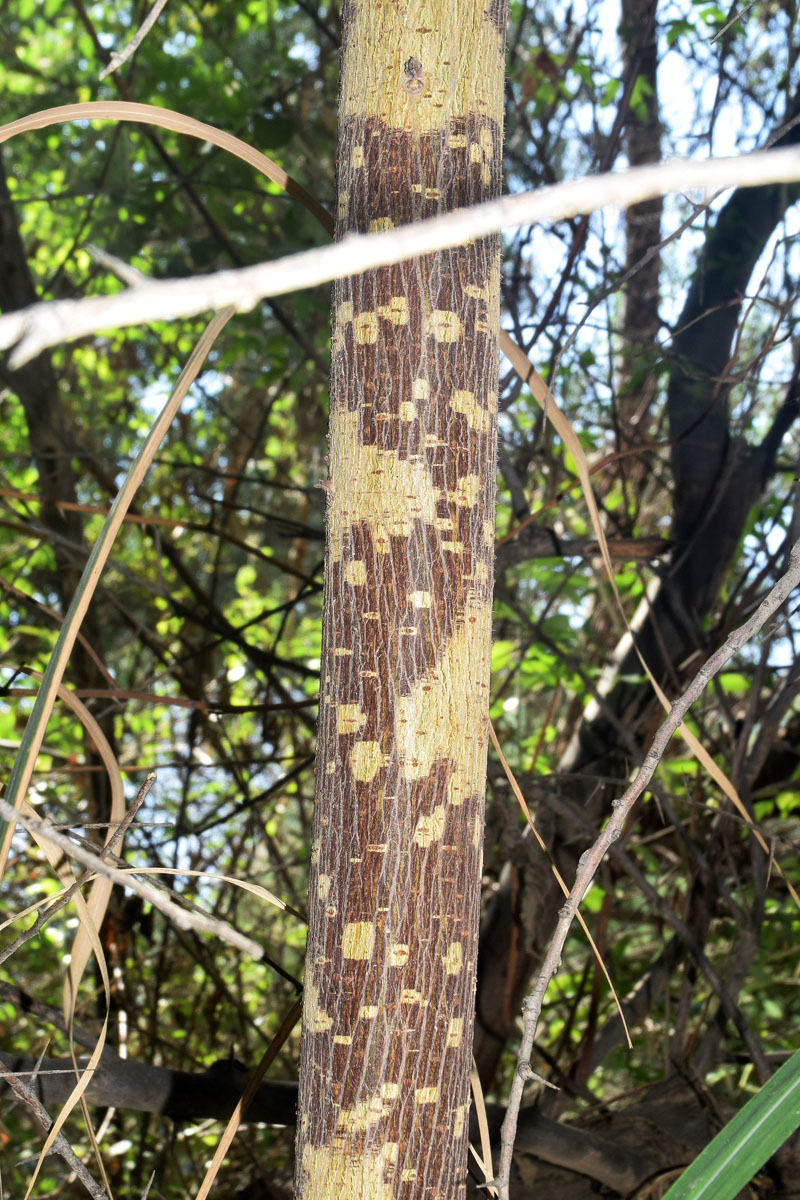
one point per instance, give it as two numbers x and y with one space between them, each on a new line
315 1019
368 1012
355 572
466 403
453 958
349 718
381 224
357 157
342 1039
365 328
420 389
408 1175
324 886
370 1111
447 708
397 955
342 652
358 939
365 759
466 492
430 193
455 1031
411 996
461 65
419 599
460 1119
342 315
375 486
445 325
408 410
476 291
430 827
395 311
426 1095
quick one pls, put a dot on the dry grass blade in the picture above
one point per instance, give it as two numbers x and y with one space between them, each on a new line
254 888
590 860
33 735
165 118
127 878
557 874
544 397
90 931
238 1115
484 1159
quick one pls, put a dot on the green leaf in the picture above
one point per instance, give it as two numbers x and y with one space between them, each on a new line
609 92
746 1142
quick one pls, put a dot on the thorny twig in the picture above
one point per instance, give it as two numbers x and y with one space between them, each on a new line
590 860
119 57
61 1146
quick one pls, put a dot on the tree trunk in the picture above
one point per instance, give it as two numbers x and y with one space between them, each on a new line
396 856
637 382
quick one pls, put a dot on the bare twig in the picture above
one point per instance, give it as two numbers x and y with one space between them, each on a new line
33 329
736 17
591 859
28 1096
63 900
182 918
118 58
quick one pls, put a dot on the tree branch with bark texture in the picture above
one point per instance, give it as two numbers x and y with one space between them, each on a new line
44 325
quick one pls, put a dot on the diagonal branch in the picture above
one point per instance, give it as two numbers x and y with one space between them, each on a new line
591 859
46 325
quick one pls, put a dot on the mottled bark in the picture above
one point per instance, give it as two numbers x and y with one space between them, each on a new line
396 858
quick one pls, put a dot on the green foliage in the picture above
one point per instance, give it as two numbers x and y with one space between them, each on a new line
202 648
